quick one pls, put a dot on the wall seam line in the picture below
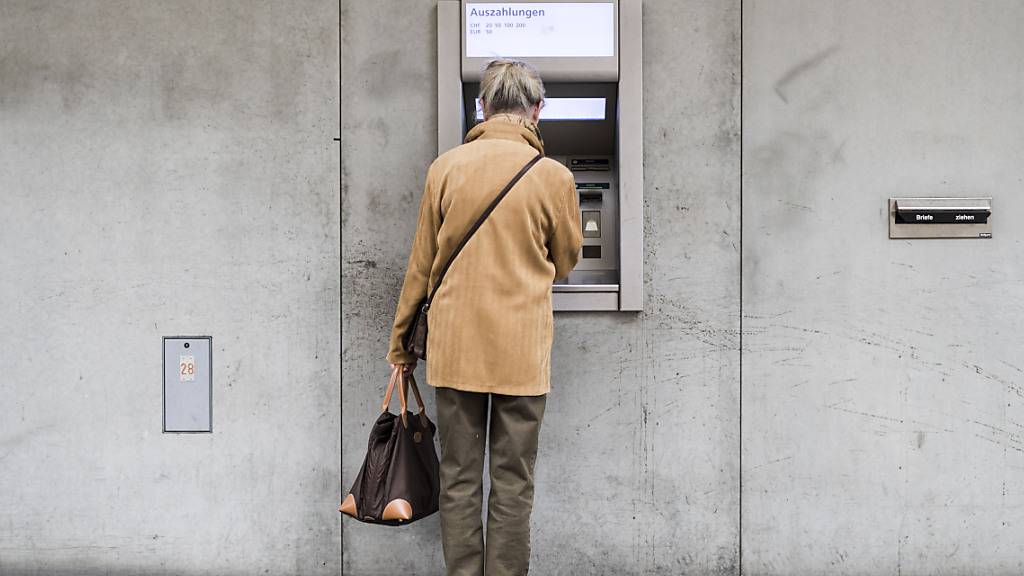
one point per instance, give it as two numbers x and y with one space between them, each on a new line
341 294
739 534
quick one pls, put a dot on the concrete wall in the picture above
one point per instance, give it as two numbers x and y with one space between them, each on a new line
883 407
168 168
638 471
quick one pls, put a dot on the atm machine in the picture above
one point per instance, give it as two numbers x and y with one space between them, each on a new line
589 55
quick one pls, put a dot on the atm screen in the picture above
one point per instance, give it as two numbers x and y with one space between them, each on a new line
540 30
565 109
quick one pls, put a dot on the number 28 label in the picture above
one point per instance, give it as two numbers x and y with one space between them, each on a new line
187 369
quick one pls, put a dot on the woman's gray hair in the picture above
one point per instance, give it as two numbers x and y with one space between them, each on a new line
510 86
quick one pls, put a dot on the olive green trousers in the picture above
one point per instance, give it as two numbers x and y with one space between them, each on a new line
462 423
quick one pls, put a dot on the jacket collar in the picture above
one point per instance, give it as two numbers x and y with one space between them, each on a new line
507 127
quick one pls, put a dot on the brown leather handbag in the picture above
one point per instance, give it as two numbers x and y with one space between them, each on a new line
398 482
415 339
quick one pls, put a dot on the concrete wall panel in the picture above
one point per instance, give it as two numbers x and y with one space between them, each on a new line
638 471
168 168
882 386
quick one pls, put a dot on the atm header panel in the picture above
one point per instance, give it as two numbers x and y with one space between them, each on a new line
567 41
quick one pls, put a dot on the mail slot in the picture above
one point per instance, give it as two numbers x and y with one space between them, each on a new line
940 217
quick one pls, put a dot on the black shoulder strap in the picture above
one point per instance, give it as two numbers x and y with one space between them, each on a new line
494 204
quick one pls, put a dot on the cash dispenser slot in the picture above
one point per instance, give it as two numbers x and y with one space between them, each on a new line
940 217
590 165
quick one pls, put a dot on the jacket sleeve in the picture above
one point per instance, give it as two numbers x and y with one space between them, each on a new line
567 238
417 274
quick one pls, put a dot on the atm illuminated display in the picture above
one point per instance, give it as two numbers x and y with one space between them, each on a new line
540 30
565 109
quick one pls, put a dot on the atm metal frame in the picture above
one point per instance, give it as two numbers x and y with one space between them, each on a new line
453 69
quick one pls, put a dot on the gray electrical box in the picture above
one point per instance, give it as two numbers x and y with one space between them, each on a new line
188 384
590 56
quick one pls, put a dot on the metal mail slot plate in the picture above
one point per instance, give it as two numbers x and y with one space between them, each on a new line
188 391
940 217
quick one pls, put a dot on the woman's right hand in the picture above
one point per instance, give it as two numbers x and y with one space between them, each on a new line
406 368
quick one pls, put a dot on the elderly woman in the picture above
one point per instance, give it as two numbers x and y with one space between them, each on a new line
490 320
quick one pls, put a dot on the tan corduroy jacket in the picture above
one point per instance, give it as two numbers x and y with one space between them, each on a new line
490 322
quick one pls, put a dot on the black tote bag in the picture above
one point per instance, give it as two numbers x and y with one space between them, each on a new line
398 482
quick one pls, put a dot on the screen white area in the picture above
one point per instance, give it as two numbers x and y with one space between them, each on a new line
540 30
564 109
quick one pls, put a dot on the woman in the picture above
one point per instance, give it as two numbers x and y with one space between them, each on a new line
490 321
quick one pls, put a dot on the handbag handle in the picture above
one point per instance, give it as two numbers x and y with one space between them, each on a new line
391 388
411 382
404 381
